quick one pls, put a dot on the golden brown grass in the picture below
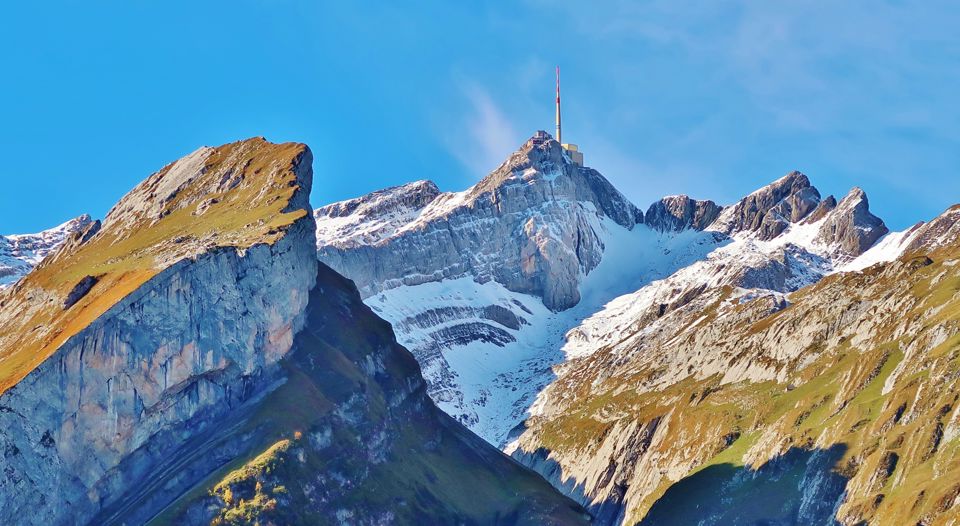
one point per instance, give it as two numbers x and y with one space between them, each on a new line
124 256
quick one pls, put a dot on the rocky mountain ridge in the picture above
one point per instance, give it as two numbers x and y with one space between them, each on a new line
188 361
854 370
695 283
461 322
538 203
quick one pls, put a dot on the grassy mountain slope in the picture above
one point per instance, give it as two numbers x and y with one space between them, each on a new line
864 366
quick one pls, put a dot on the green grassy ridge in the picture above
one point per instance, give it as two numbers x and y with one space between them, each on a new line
838 399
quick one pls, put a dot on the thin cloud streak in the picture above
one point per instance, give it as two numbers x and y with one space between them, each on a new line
491 133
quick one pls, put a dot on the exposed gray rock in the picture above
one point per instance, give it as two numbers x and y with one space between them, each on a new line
941 231
79 290
529 225
678 212
771 209
825 207
850 229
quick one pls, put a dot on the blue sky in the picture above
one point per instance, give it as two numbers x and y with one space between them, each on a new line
712 99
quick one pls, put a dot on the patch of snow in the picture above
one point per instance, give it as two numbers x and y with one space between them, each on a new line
498 384
887 248
19 253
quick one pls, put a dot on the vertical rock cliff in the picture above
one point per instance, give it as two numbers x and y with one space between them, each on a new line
195 285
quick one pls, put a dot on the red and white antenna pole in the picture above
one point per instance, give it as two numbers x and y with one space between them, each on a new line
559 137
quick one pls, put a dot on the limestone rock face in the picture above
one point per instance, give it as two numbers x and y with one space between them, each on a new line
851 228
771 209
201 335
529 226
679 212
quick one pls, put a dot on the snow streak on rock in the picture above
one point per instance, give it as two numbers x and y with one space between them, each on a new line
20 253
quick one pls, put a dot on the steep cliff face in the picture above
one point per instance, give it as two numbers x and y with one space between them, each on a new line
769 211
142 333
530 225
187 362
827 404
680 212
352 438
851 229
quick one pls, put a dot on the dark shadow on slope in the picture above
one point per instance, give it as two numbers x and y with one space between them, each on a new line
800 487
349 436
610 512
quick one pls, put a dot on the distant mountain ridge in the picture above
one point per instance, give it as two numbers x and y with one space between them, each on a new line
20 253
783 359
382 237
508 360
456 271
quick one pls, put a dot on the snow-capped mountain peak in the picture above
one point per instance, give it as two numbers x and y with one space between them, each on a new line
19 253
544 261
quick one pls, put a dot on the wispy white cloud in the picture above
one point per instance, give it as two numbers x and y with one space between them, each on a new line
858 92
490 133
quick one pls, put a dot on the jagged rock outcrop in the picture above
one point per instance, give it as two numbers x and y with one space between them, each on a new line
680 212
770 210
194 339
825 207
20 253
850 228
531 225
941 231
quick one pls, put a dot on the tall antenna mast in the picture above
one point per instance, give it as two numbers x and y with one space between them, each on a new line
559 137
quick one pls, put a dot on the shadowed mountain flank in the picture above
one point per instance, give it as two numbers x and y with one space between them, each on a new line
798 488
